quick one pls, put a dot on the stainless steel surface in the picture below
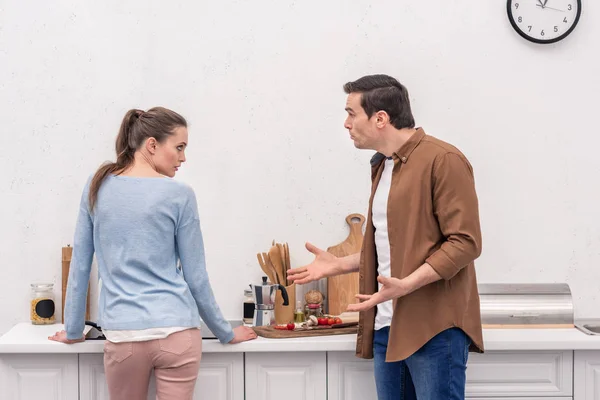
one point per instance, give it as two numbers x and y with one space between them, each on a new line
264 295
321 286
526 304
588 326
207 334
524 288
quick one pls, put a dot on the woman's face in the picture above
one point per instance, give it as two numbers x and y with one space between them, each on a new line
170 154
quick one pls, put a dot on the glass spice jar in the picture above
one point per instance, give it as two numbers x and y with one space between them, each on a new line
42 306
313 309
299 314
248 307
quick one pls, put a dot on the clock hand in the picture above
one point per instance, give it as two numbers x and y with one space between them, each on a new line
555 9
541 4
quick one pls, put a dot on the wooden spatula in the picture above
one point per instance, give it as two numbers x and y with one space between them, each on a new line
283 266
266 268
270 266
288 264
275 260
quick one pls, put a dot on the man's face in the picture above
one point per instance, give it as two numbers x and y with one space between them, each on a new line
362 129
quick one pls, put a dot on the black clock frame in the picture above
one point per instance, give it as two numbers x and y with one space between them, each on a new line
539 41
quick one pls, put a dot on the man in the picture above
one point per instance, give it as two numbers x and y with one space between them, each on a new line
419 302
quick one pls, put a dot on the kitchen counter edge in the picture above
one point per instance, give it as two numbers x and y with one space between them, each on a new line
27 338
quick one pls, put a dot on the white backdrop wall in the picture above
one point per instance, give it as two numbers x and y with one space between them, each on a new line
261 85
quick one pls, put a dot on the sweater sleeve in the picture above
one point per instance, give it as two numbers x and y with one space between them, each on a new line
456 208
79 270
190 246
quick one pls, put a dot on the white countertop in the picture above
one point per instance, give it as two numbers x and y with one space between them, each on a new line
28 338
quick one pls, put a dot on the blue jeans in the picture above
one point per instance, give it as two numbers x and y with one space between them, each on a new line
437 371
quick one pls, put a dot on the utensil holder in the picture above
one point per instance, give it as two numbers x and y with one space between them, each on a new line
285 314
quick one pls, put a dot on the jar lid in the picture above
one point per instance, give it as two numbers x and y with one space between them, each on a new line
313 306
42 285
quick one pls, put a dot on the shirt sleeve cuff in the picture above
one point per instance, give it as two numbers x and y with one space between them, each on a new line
442 264
74 336
227 338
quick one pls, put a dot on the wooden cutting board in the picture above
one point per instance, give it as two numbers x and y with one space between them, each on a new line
271 333
342 289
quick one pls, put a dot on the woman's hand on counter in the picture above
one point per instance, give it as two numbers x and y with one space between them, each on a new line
242 334
61 336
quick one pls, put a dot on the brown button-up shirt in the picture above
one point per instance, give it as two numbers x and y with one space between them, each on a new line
432 217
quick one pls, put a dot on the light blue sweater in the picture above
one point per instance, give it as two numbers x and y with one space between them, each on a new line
140 229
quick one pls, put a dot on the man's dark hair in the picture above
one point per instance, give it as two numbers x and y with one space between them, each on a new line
383 93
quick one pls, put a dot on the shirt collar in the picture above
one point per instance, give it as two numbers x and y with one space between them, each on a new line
404 152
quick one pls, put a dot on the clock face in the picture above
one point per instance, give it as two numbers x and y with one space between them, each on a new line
544 21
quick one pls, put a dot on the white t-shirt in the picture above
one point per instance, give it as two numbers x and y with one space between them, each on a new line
141 335
383 317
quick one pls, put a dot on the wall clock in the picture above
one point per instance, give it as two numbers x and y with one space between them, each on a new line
543 21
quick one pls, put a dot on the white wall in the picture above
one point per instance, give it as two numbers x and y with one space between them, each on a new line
260 83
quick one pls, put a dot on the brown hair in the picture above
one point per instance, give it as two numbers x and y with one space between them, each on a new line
137 126
383 93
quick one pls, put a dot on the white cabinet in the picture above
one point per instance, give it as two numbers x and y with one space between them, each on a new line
587 375
221 377
350 377
289 376
520 373
39 376
494 375
92 382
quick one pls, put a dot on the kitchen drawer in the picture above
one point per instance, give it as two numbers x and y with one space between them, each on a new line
286 375
520 374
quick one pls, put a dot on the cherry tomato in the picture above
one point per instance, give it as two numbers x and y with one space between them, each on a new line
338 320
330 321
322 321
290 327
281 327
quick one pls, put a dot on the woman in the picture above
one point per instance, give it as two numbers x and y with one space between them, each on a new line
145 231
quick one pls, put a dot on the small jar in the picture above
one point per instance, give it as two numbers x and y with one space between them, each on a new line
299 314
313 309
248 307
42 306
